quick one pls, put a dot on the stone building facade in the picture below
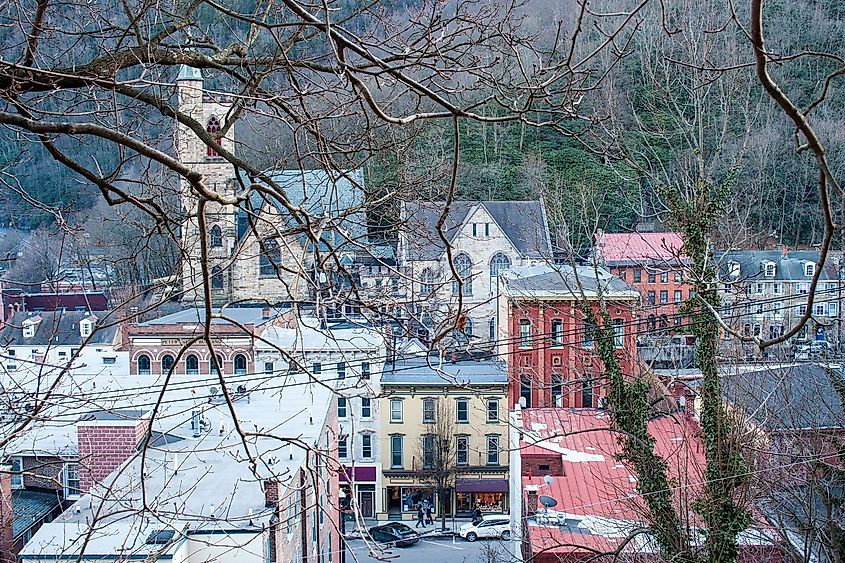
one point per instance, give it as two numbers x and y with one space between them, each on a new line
485 239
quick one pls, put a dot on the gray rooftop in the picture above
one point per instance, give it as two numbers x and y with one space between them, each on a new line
564 282
523 222
787 397
788 267
30 507
430 371
232 315
56 328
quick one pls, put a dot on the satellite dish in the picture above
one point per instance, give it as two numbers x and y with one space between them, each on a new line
548 501
548 479
212 391
523 402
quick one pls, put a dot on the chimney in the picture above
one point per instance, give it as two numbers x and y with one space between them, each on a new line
265 314
271 493
784 251
106 441
7 540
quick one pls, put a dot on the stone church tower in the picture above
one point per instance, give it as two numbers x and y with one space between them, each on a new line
221 221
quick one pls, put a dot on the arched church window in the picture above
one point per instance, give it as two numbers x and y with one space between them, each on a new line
270 259
212 129
216 237
216 278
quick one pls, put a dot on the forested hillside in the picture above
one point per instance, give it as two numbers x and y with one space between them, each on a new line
676 107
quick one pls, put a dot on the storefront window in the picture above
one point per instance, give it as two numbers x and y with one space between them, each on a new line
488 502
413 497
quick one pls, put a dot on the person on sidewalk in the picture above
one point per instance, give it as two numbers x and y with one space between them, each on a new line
476 515
428 518
420 517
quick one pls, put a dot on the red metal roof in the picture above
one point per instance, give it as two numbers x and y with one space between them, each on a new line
639 246
595 483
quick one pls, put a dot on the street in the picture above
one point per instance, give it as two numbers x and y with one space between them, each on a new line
441 550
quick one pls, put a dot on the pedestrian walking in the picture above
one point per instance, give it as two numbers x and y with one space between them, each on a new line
420 517
428 518
476 515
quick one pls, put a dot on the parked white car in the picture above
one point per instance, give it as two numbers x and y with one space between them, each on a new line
495 526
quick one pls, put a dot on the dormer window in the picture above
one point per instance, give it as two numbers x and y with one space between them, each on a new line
733 270
30 326
809 269
769 269
86 327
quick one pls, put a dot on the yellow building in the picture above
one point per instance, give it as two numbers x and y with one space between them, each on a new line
444 435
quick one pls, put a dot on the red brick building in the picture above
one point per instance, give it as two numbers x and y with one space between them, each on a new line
653 264
549 343
154 345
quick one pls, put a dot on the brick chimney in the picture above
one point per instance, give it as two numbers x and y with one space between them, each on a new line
106 441
271 493
7 539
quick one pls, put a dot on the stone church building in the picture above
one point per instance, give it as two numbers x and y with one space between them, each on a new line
255 251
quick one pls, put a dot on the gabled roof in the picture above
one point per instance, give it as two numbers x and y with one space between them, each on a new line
523 222
618 249
789 266
56 328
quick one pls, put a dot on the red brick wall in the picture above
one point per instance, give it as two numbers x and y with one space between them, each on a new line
43 472
103 447
571 360
531 465
658 310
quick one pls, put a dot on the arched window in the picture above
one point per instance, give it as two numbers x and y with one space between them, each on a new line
240 364
143 364
216 237
217 366
463 265
427 279
498 264
270 259
216 278
212 129
166 363
192 365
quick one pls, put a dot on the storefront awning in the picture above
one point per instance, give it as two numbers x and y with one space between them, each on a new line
481 486
360 474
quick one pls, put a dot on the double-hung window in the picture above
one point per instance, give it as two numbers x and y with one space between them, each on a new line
492 450
366 407
396 451
557 332
342 407
428 411
396 410
492 410
462 450
367 446
463 411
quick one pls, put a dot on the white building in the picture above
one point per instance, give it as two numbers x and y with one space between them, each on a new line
81 342
349 358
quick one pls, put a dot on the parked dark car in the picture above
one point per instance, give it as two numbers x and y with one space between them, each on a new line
395 533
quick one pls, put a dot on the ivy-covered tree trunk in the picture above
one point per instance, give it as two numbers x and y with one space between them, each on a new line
726 473
630 409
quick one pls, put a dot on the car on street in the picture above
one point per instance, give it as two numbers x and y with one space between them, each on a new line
492 526
813 350
395 533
